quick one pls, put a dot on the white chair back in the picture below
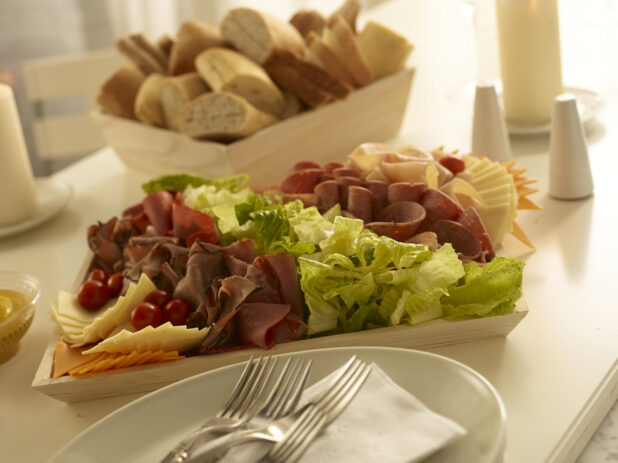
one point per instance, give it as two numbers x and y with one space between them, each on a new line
67 82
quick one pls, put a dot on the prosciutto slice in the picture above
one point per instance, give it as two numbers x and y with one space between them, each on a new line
283 267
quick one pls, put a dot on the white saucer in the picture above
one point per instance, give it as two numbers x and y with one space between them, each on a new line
52 195
588 105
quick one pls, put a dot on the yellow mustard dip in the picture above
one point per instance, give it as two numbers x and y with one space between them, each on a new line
11 302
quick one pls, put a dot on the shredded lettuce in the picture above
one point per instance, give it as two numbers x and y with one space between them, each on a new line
177 182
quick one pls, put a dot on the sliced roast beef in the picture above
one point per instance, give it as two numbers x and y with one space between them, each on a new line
283 267
188 221
205 263
256 322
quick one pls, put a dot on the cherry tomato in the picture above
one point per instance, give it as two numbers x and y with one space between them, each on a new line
176 312
98 275
453 163
114 283
158 297
145 314
93 294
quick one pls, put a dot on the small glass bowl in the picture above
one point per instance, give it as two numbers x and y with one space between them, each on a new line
13 328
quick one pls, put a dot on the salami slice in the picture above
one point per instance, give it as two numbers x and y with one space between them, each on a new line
429 239
405 191
399 220
463 240
302 165
472 221
438 206
327 195
379 190
360 203
344 172
301 181
308 199
330 166
344 184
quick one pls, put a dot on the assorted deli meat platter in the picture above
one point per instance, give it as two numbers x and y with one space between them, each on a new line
395 247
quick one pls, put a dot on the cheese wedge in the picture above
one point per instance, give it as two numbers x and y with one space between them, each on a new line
166 337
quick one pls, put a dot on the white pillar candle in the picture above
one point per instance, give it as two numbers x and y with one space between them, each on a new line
18 199
529 42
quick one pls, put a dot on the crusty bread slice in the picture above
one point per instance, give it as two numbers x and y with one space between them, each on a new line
292 105
312 73
228 70
222 116
260 35
117 94
193 38
165 44
178 91
148 101
297 84
139 56
153 50
385 50
321 55
340 38
306 21
349 11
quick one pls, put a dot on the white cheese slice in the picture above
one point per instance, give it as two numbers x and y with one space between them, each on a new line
496 221
166 337
490 175
69 307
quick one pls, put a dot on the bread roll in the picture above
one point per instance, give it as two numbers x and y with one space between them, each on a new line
178 91
222 116
321 55
340 38
117 94
228 70
306 21
385 50
260 35
193 38
148 107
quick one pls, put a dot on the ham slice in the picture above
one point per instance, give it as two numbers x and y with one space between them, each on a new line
256 322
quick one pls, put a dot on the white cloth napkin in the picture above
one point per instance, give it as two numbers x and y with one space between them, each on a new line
382 423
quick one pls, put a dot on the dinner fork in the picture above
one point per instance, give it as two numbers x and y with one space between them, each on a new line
281 400
242 404
305 422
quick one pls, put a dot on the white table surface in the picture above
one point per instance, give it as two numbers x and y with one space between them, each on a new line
557 371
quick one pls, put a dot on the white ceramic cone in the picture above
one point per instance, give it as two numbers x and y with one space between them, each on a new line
489 135
18 200
570 176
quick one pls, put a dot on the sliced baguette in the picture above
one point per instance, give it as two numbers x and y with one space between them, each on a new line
228 70
306 21
293 81
321 55
222 116
340 38
292 105
260 35
349 11
153 50
117 94
148 107
193 38
139 56
313 73
178 91
385 50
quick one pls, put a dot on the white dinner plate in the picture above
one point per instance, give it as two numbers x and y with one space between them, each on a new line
588 106
52 196
146 429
